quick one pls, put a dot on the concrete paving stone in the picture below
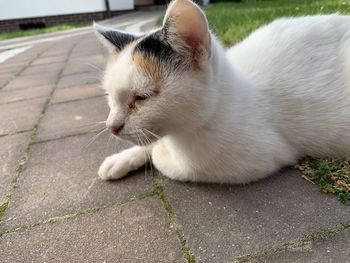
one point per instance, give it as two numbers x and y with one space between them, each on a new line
61 178
335 248
55 53
25 94
40 69
12 67
224 222
49 60
39 48
89 52
72 118
3 82
22 57
7 76
85 64
133 232
79 79
76 93
30 81
20 116
11 150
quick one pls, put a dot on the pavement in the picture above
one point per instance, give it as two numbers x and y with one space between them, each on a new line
53 207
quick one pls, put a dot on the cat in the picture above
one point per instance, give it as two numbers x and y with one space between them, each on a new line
205 114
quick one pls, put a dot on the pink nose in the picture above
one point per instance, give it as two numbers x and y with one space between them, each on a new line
115 129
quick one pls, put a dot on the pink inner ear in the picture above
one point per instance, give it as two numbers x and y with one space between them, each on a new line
189 22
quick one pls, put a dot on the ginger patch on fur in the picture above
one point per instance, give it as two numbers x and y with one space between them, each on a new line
150 67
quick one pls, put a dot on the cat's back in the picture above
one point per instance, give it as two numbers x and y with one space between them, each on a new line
302 68
293 48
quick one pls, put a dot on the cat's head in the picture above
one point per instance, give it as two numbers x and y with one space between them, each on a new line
158 82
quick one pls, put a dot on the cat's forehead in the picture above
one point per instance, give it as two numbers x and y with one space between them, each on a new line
119 72
133 64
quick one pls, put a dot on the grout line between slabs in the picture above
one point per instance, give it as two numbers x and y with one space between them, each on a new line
288 246
22 69
57 219
159 191
23 160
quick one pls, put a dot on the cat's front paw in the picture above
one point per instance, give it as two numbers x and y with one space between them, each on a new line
118 165
114 167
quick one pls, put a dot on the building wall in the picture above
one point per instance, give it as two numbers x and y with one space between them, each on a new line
20 9
144 2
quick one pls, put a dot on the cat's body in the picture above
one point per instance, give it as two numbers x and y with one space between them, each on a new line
303 72
236 117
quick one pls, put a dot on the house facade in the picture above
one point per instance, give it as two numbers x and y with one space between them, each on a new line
25 14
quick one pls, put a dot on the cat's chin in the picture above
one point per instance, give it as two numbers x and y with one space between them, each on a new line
140 140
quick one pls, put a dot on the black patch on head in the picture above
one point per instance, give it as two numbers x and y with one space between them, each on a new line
117 38
155 46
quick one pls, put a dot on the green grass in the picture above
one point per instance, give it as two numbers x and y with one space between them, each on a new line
333 176
232 21
31 32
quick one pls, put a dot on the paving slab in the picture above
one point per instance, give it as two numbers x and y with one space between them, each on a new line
224 222
12 67
85 64
40 69
11 150
335 248
20 116
21 58
7 76
49 60
80 79
25 94
27 82
3 82
133 232
61 178
94 49
72 118
77 92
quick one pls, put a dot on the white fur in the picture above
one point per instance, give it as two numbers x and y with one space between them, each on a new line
281 94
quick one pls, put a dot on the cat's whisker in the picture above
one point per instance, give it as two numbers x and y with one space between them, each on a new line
95 67
147 153
92 124
95 137
152 133
109 139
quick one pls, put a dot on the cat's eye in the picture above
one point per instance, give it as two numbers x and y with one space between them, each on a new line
141 97
138 98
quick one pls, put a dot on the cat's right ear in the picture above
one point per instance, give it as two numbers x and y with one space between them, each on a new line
185 20
114 40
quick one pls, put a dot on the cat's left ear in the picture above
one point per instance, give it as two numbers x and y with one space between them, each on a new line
186 21
114 40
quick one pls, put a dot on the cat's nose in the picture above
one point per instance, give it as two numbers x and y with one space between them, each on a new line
115 129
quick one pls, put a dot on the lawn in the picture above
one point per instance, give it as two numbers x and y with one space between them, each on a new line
31 32
232 21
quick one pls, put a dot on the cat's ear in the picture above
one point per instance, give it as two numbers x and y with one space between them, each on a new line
185 20
114 40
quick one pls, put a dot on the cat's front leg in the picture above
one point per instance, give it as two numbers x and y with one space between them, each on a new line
118 165
167 165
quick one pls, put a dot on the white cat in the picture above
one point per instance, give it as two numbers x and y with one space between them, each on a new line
228 117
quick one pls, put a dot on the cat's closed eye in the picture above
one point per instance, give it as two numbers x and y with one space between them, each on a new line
141 97
138 98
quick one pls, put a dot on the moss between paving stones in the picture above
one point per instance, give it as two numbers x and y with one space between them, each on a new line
325 233
332 176
160 192
3 207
